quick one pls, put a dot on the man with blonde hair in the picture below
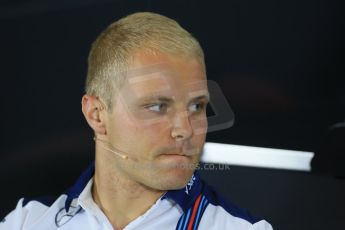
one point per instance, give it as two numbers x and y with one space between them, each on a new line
146 97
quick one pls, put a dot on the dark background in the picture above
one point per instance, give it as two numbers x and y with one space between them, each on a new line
281 65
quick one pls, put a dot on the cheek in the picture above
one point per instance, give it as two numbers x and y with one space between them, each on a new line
141 135
199 126
126 133
156 132
159 130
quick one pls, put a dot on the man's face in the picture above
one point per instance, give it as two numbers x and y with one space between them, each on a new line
159 120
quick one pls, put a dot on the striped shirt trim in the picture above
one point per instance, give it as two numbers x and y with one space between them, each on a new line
190 220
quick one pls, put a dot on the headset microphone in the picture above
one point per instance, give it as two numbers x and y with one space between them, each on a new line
117 151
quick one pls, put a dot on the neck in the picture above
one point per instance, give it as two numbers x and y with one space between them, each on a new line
121 199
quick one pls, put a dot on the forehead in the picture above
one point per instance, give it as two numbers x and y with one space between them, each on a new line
153 73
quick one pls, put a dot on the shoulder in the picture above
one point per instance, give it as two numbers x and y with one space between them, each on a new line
220 213
27 211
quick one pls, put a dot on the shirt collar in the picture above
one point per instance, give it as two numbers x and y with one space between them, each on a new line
184 197
79 186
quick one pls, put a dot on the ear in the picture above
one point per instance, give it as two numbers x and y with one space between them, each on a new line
94 113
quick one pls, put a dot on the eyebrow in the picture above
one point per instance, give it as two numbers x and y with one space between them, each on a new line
158 98
169 100
201 97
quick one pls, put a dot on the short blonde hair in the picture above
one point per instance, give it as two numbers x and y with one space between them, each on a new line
111 52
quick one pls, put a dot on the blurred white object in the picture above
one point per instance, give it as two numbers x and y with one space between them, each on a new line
256 156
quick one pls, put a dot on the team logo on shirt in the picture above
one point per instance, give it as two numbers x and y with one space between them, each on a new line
190 184
62 217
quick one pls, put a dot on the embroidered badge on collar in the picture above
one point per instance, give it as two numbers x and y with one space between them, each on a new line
63 216
190 184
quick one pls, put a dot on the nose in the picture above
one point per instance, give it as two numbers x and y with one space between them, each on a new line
181 126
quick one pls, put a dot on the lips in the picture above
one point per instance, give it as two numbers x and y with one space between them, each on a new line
175 156
183 154
179 152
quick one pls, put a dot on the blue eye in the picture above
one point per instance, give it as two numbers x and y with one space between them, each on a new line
159 108
196 107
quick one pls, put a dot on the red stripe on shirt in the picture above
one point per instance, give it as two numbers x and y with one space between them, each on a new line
195 208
